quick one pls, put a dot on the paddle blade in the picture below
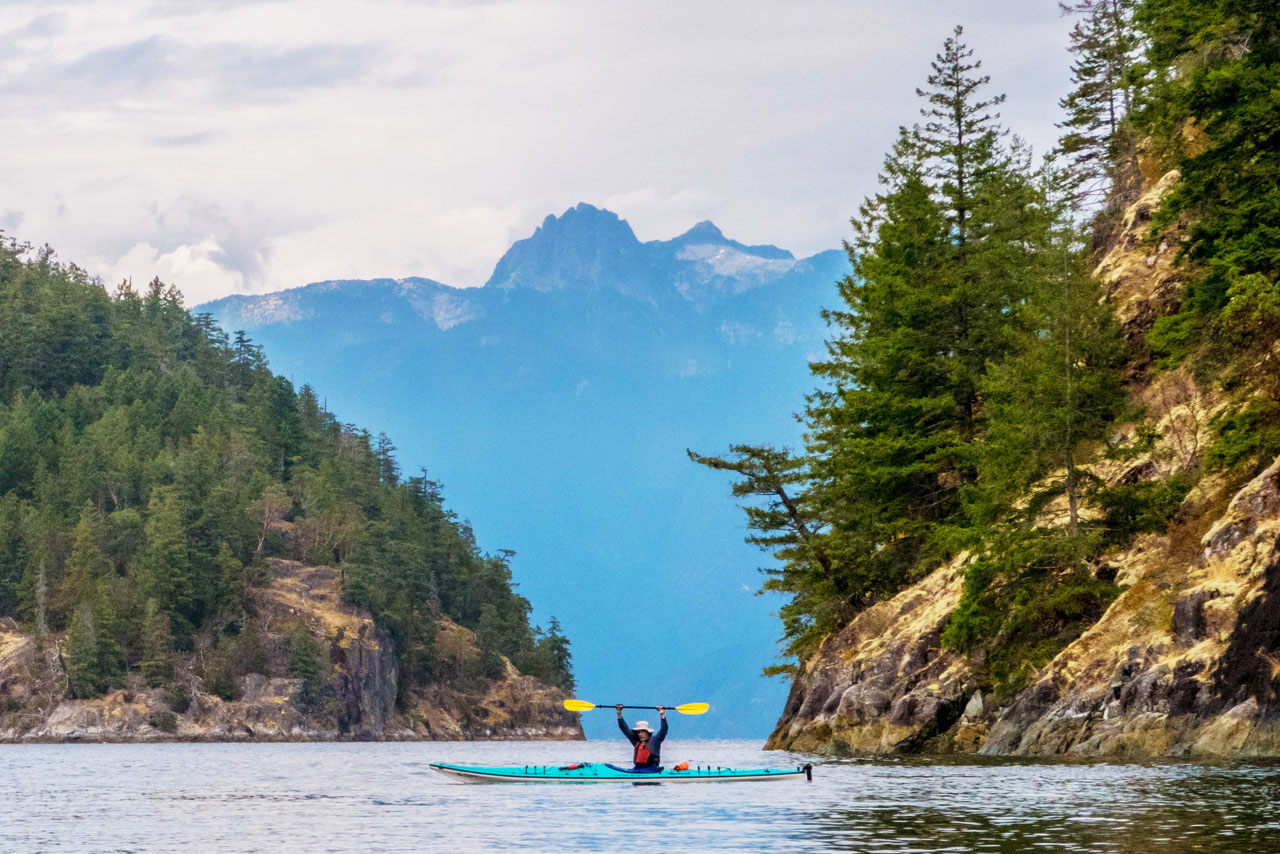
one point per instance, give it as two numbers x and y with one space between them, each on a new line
693 709
579 705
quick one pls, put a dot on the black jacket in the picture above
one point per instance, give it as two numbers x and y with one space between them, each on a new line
655 741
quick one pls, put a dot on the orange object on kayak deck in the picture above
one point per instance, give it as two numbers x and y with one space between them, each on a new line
683 766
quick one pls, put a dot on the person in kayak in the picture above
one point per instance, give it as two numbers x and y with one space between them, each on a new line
647 745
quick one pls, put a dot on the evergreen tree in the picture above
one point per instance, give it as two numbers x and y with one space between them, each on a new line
1212 110
220 675
88 567
944 258
13 551
307 664
494 641
164 571
89 584
960 133
561 659
1060 391
1100 145
157 646
84 669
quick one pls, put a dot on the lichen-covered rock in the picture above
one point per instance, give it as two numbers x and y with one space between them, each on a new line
884 684
1142 281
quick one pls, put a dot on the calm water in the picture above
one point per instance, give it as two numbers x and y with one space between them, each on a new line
365 798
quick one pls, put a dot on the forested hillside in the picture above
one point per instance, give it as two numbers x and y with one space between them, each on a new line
989 399
151 472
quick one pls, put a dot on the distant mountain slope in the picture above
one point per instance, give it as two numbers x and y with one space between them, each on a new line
556 403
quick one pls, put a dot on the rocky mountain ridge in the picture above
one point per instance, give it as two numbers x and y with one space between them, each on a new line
1183 663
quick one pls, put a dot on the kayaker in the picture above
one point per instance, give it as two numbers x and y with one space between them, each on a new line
647 744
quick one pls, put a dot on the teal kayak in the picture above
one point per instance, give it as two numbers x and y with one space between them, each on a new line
596 772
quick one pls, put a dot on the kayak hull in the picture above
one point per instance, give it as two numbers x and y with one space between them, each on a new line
596 772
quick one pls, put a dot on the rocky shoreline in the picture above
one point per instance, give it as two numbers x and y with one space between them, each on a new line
359 697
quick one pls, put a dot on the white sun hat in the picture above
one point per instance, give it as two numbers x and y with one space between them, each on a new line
642 725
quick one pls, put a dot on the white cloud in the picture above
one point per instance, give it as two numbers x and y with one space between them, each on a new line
288 141
736 332
196 266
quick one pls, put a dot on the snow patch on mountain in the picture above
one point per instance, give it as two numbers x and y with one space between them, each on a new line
728 262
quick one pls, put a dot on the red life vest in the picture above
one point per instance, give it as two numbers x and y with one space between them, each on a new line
642 753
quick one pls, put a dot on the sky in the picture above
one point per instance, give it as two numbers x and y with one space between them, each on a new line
244 147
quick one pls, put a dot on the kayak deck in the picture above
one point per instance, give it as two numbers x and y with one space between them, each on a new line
598 772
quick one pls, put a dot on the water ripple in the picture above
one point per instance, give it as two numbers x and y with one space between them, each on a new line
318 798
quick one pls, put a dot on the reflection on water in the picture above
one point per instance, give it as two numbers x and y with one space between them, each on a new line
318 798
1008 807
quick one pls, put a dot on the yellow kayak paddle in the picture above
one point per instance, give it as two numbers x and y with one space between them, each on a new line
684 708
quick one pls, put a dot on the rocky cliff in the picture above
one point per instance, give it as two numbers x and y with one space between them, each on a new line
1185 661
357 696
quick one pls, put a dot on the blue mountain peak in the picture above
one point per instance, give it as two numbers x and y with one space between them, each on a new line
704 232
584 247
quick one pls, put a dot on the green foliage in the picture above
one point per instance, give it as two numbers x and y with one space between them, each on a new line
234 656
1215 113
221 673
548 659
164 570
1246 441
306 660
157 646
969 360
1099 143
84 669
1026 596
178 698
1174 337
1057 393
1145 506
974 367
149 466
164 720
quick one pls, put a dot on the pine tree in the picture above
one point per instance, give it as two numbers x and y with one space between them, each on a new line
88 567
1212 108
561 659
307 664
84 668
1060 390
90 584
164 570
388 470
157 646
943 257
960 132
1099 144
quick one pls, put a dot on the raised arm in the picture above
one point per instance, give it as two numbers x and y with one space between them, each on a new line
626 730
662 728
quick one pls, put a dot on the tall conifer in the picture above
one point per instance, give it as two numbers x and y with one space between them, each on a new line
1099 144
164 571
157 645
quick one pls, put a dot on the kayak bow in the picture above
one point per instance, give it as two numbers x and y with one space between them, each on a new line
597 772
